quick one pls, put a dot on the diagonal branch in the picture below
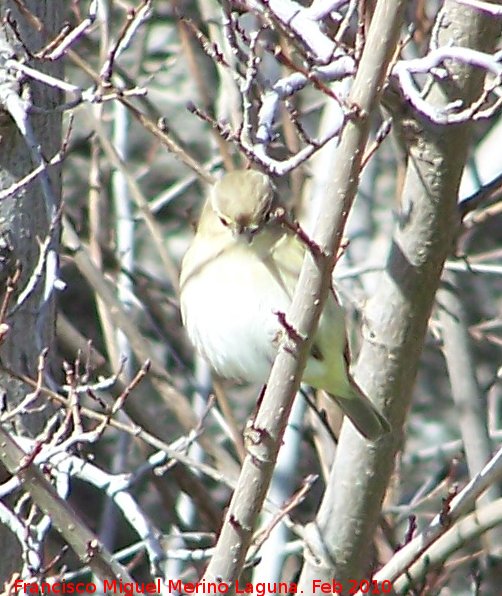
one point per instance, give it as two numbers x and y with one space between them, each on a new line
64 518
312 289
396 316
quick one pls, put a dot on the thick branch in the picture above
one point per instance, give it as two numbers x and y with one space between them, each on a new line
396 316
311 292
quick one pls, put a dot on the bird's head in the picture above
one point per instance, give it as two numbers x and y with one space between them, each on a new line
242 200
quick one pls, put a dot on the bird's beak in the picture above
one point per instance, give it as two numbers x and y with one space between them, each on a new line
248 235
244 233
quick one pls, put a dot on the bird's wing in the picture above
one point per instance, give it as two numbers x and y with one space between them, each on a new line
284 260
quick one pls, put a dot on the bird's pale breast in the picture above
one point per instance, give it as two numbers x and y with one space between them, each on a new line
228 306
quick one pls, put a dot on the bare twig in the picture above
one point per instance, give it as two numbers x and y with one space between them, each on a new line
65 519
459 506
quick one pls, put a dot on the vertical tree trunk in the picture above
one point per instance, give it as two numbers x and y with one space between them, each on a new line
26 216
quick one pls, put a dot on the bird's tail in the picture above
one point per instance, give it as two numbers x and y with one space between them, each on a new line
363 414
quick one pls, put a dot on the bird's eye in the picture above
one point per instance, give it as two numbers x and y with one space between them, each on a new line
224 222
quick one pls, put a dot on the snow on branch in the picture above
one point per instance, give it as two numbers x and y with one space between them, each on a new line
487 7
306 58
303 23
435 64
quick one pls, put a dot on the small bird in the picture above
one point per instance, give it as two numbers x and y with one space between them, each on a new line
238 273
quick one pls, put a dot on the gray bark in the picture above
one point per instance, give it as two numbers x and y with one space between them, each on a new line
397 314
25 217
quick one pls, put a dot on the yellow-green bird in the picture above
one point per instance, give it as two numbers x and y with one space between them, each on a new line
238 273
